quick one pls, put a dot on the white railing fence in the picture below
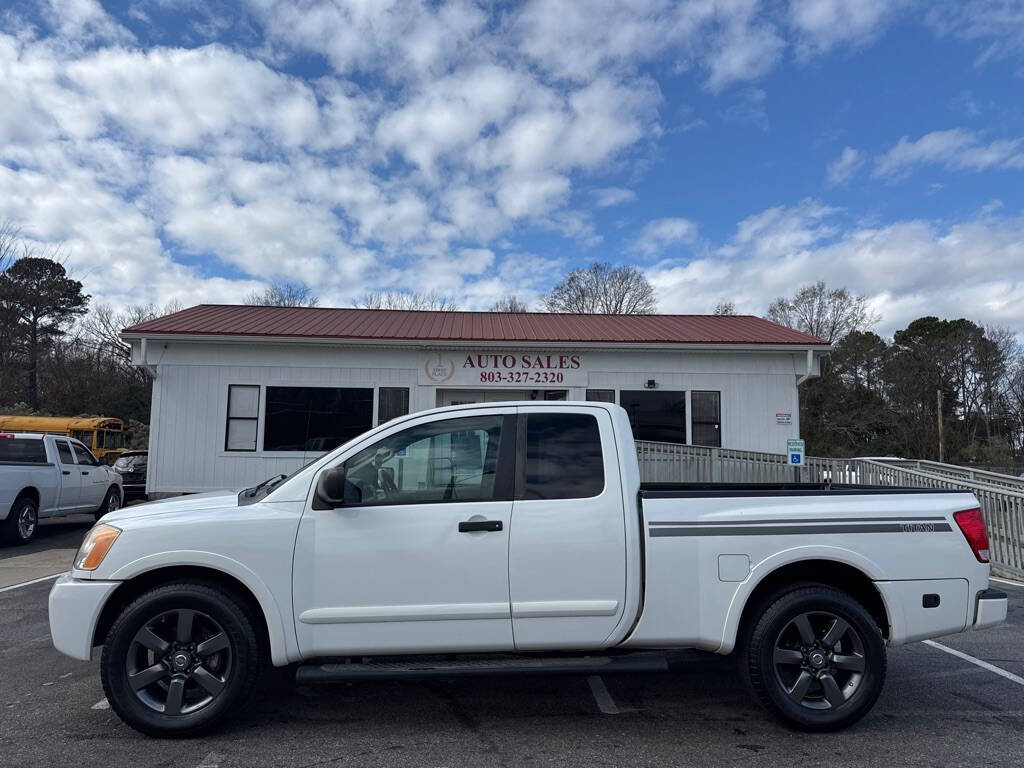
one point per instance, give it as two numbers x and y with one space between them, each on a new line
960 473
1001 502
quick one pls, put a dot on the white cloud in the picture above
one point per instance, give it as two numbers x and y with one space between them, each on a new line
659 234
997 24
822 24
83 21
607 197
955 149
844 167
903 267
730 40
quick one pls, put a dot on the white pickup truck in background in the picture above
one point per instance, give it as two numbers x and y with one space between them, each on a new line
515 539
48 476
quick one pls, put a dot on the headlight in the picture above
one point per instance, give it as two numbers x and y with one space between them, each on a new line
95 547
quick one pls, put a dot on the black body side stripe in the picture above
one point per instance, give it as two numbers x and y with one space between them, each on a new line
789 530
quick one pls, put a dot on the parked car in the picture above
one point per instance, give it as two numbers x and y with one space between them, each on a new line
520 531
48 476
131 465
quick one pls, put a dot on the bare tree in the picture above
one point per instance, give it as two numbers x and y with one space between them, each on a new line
603 289
829 315
725 308
100 330
282 294
408 300
510 304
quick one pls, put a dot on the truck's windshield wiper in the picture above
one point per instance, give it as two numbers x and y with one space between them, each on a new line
269 483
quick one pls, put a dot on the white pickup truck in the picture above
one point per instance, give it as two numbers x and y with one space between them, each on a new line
515 539
49 476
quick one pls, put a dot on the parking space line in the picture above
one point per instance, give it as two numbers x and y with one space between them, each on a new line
29 583
604 699
983 664
101 704
212 760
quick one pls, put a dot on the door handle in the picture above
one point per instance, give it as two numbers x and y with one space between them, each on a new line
85 472
468 526
65 471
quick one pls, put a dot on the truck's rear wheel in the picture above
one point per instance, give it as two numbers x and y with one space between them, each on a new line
180 659
815 659
21 523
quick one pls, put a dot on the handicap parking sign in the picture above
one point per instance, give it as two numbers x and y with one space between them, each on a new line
795 449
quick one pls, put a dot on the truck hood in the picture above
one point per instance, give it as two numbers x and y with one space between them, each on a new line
196 501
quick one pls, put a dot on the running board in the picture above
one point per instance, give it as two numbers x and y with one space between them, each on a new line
423 670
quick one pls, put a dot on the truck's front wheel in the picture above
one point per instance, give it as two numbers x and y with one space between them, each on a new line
179 659
815 658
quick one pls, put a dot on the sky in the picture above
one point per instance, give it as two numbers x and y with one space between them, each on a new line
731 150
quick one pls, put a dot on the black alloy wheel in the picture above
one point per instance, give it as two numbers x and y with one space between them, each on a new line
814 657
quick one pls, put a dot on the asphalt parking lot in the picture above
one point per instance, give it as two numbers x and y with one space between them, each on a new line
937 709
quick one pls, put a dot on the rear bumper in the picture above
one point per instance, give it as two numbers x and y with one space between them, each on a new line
990 609
75 607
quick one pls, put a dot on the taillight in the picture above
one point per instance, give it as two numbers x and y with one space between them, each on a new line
972 524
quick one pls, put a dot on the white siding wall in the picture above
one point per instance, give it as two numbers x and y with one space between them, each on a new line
190 396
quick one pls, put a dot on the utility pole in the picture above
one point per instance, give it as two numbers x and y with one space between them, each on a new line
942 447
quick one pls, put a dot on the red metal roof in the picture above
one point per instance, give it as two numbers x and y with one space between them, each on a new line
429 326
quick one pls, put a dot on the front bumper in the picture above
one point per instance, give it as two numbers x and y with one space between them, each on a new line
75 607
990 609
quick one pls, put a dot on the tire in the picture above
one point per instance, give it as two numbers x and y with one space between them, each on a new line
111 503
157 676
814 658
21 523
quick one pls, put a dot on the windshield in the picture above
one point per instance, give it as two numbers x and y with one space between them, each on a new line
131 462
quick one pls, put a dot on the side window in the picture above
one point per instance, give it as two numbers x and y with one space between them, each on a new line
563 457
450 460
243 417
64 452
83 456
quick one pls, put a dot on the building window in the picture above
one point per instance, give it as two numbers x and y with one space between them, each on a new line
707 418
315 418
392 402
601 395
243 417
563 457
656 414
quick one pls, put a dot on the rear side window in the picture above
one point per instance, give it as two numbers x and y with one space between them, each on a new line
22 450
563 457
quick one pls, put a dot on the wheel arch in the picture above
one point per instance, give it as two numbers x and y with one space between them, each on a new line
31 491
255 596
832 567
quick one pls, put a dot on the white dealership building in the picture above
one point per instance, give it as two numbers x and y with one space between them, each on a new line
241 393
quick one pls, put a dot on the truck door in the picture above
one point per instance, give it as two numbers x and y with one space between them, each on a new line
70 481
94 479
416 558
567 559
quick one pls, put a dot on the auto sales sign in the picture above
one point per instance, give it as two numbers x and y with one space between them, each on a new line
494 368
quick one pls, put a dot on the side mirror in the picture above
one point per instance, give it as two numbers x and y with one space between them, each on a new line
330 488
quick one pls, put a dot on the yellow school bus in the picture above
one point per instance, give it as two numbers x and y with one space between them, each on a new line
104 436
